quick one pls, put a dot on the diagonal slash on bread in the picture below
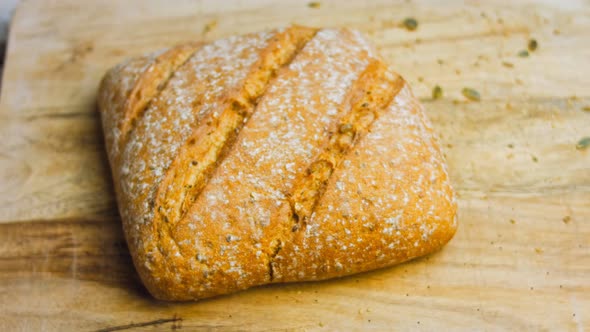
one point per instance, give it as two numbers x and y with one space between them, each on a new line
288 155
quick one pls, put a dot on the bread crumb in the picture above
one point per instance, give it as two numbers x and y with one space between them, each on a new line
538 250
583 143
471 94
567 219
410 24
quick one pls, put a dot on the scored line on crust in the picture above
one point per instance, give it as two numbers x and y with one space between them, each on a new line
370 95
150 84
209 142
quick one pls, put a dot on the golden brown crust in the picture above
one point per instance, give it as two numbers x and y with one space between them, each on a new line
369 219
127 89
371 93
151 82
204 149
273 157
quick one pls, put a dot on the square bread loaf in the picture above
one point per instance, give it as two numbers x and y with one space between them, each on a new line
286 155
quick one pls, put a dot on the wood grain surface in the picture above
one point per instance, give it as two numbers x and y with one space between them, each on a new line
520 259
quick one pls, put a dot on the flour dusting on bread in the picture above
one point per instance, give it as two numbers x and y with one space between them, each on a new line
281 156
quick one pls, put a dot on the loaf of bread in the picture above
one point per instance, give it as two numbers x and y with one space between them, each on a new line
288 155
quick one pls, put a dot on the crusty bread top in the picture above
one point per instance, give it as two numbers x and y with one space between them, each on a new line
287 155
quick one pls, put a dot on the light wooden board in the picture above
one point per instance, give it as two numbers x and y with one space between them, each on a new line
520 259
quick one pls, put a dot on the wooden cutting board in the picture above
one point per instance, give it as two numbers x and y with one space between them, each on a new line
520 259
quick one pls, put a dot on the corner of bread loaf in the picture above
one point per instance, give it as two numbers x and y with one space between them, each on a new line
447 223
169 274
166 289
179 286
446 220
164 277
111 80
106 88
111 95
119 79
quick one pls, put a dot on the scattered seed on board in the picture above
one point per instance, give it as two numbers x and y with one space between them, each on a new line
410 23
437 92
314 4
210 26
523 53
507 64
532 46
583 143
471 94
